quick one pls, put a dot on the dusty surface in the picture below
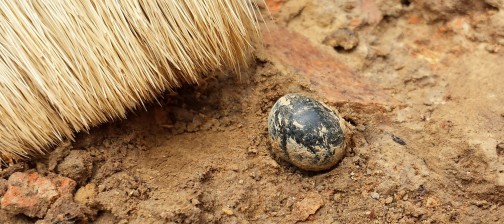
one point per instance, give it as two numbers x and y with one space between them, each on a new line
423 87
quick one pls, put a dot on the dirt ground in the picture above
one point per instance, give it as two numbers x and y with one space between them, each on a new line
421 83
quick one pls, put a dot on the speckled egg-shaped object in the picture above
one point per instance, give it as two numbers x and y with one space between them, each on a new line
306 133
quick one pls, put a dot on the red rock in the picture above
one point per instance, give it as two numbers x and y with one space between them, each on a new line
274 6
31 194
324 72
414 19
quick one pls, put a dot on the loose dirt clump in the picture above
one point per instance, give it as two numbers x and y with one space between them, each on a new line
77 166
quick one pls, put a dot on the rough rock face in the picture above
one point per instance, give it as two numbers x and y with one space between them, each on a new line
32 194
444 10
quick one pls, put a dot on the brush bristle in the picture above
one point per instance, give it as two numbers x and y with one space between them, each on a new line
66 66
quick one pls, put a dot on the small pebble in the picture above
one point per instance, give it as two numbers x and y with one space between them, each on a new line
337 197
389 200
195 201
342 39
375 195
492 48
500 149
398 67
398 140
387 187
348 6
227 211
303 209
431 202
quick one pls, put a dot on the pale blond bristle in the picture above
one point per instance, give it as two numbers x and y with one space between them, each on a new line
69 65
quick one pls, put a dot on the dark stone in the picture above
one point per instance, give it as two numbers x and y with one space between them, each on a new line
398 140
306 133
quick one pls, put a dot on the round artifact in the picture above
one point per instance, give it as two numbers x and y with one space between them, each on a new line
306 133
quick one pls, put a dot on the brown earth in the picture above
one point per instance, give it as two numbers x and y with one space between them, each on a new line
421 82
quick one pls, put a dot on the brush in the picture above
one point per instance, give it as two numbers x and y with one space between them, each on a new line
66 66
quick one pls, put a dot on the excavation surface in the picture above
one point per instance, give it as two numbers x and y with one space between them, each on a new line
420 82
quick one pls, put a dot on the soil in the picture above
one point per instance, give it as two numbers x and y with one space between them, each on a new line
427 144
